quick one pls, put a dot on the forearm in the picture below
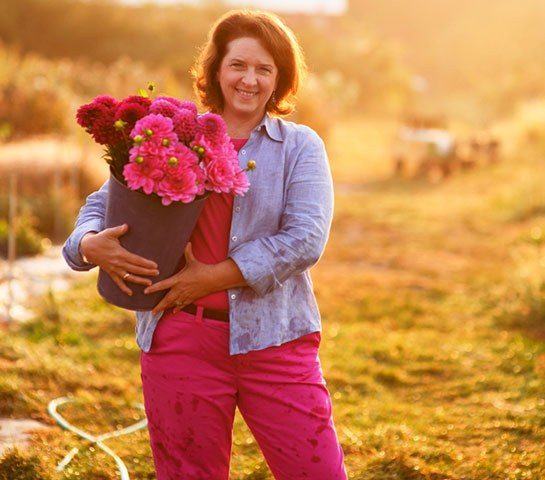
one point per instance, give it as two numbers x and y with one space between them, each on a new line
90 218
226 275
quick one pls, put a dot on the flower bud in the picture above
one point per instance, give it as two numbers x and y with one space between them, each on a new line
165 142
120 124
138 139
139 159
148 132
251 164
173 161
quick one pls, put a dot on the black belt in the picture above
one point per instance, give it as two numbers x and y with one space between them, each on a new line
208 312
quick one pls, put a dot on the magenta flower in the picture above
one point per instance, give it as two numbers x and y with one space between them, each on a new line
143 174
155 128
182 176
180 104
240 183
164 107
152 151
146 166
220 175
185 125
213 128
187 105
106 100
142 101
173 153
179 186
98 119
130 113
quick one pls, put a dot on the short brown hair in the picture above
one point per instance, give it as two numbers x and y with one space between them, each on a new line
274 35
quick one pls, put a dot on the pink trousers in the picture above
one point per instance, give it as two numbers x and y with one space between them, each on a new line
191 389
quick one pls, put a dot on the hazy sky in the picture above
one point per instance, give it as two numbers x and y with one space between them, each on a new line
321 6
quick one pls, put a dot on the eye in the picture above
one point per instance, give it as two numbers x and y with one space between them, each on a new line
237 65
265 70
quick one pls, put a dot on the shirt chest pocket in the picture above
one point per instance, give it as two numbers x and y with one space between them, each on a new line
265 200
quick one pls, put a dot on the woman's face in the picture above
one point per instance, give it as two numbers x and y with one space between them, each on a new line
247 78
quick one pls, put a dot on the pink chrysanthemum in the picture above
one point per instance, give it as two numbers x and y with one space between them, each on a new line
185 125
97 118
187 105
162 159
106 100
138 99
144 174
130 112
89 113
213 128
182 178
153 151
219 175
155 128
164 107
240 183
180 104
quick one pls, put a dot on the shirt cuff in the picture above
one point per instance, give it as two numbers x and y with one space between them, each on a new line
256 270
71 252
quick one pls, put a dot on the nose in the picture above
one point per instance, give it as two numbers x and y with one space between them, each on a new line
250 77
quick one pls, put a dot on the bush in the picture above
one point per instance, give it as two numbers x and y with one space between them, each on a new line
55 214
28 241
33 109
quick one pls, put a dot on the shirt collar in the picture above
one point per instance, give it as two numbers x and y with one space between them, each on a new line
272 127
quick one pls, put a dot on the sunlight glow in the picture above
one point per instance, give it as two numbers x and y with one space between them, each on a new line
328 7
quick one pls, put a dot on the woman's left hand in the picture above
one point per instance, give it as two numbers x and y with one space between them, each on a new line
194 281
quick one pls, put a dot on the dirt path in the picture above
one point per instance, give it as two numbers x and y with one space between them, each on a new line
32 278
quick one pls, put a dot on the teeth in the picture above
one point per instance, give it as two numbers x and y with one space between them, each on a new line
246 94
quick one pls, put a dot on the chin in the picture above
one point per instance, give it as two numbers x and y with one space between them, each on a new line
247 109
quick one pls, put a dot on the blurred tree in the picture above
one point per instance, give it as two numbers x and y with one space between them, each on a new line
168 36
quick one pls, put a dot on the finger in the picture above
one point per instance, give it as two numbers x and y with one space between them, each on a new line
138 270
162 285
139 280
120 283
118 231
140 261
176 309
164 303
189 253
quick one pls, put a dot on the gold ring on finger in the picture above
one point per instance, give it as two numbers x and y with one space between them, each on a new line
126 276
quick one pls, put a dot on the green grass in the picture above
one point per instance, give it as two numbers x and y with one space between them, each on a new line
433 345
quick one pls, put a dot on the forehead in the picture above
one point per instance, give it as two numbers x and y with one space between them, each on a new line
248 49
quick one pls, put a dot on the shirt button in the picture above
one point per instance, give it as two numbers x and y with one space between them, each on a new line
243 152
233 296
234 238
237 209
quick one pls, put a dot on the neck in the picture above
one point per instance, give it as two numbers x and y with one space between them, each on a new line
241 127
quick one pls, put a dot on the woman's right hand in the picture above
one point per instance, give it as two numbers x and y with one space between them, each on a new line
105 250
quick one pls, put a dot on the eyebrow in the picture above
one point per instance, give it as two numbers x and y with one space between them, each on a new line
237 59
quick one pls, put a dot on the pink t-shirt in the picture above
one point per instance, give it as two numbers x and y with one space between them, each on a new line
210 238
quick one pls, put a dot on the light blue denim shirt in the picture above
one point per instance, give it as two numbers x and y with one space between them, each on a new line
279 230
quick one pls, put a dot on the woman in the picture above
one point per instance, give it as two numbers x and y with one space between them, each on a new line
239 325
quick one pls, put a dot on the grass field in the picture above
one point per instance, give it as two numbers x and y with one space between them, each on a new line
433 310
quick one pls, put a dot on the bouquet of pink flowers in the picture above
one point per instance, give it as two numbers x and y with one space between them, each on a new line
164 160
164 147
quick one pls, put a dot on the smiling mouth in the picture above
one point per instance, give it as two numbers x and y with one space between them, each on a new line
246 94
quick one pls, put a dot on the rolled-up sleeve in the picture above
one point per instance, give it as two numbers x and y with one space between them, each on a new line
267 262
90 219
